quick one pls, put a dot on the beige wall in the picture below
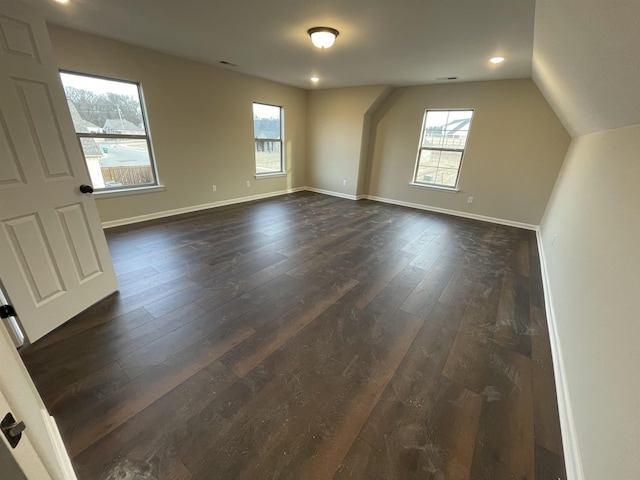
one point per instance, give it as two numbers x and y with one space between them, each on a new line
201 122
594 275
514 152
337 129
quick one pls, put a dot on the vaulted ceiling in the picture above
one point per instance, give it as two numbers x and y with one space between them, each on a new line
581 53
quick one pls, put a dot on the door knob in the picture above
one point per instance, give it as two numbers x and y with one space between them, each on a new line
12 429
86 188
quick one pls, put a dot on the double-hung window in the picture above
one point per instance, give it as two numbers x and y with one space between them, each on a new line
444 139
109 119
267 132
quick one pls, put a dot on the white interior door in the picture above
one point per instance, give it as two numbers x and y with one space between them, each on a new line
54 260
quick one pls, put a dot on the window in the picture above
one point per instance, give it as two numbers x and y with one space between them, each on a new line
267 132
444 137
109 119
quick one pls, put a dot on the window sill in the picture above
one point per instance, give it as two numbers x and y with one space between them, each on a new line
435 187
270 175
128 191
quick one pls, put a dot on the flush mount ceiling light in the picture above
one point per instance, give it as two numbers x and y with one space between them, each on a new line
315 79
323 37
496 60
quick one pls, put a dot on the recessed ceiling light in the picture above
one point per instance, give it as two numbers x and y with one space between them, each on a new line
62 1
496 60
315 79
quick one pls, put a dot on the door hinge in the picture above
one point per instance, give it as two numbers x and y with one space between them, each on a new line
7 311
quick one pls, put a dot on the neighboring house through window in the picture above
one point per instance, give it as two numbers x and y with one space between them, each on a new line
267 132
109 120
444 139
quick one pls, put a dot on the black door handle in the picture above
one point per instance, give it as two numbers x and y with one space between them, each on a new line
12 429
86 189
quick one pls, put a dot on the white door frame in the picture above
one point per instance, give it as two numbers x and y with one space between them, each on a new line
41 453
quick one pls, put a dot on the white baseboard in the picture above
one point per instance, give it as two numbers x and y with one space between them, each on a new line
572 458
195 208
64 461
333 194
232 201
456 213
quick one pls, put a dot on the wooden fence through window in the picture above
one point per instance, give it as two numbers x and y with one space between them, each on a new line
134 175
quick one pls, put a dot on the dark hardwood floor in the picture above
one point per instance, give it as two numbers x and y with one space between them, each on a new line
310 337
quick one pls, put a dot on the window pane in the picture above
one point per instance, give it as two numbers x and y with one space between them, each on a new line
99 105
118 162
446 177
268 157
443 142
434 129
450 160
266 121
436 119
267 130
426 174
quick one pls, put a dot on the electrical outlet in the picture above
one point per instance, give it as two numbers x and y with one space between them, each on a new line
248 184
344 183
470 200
214 188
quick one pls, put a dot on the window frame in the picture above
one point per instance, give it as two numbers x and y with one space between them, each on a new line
421 148
123 189
280 140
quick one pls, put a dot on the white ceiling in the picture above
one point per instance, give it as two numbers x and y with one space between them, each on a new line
390 42
584 57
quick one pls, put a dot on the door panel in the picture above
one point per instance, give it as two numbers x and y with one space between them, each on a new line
17 38
76 228
46 135
10 172
54 260
32 251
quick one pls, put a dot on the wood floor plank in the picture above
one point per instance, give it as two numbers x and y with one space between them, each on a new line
549 465
364 462
250 353
142 450
309 337
545 402
86 428
513 327
427 292
505 445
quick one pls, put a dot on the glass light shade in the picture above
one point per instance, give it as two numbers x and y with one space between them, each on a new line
323 37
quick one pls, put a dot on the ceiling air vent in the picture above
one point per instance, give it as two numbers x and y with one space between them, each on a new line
444 79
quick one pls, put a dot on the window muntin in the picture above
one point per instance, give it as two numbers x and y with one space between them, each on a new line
444 139
267 133
109 120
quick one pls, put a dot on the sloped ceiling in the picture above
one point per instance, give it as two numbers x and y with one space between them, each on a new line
586 62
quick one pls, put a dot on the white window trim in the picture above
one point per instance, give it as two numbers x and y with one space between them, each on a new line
439 186
133 189
433 186
259 176
121 192
283 169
